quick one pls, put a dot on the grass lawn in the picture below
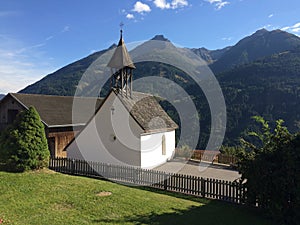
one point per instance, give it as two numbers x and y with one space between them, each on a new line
46 197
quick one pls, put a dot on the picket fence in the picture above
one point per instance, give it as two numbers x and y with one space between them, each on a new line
234 192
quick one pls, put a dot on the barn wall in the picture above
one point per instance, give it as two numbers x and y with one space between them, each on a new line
8 103
112 136
152 149
61 140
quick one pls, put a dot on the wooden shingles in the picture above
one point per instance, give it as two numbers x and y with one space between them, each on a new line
147 112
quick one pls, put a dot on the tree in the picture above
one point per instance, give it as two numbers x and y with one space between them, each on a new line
271 171
23 145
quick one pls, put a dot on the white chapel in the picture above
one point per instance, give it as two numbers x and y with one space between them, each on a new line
129 128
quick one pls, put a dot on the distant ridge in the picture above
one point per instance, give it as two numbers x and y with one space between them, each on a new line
210 56
260 44
1 96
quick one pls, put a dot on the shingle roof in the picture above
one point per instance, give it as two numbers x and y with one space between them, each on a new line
121 57
57 110
147 112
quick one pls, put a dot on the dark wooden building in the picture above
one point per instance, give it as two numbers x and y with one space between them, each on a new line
56 114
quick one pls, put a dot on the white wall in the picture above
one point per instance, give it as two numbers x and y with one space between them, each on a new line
151 147
96 142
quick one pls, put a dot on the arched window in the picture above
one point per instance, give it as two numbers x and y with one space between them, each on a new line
163 145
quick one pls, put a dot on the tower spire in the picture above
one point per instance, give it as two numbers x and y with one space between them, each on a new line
121 30
121 67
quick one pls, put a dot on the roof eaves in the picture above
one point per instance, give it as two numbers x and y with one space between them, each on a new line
26 107
67 125
153 131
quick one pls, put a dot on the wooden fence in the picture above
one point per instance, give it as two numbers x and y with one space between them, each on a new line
203 187
213 156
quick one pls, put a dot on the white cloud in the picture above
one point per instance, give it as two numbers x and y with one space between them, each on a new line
162 4
219 4
21 65
285 28
65 29
292 29
271 15
268 26
296 30
296 25
49 38
179 3
227 38
130 16
174 4
141 7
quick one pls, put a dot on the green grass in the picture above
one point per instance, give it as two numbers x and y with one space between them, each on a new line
46 197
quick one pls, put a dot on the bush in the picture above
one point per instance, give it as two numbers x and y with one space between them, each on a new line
272 172
231 150
184 151
23 145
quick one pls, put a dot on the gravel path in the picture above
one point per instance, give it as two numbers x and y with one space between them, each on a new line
206 170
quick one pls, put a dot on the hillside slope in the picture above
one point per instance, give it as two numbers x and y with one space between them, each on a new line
260 44
64 81
269 87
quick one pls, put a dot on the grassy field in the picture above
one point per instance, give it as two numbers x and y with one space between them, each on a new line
46 197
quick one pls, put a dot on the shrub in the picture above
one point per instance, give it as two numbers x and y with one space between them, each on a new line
184 151
23 145
272 172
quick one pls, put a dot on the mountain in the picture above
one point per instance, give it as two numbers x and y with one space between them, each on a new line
160 37
260 75
268 87
1 96
64 81
260 44
210 56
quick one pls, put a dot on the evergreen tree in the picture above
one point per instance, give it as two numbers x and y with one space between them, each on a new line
23 145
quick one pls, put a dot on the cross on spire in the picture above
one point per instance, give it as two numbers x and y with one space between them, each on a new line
121 27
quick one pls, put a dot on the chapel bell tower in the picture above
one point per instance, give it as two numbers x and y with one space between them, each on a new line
122 68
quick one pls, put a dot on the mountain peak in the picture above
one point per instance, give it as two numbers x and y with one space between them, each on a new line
160 37
112 46
262 31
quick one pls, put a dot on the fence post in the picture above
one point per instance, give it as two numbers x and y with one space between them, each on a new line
50 163
135 175
73 166
203 187
165 181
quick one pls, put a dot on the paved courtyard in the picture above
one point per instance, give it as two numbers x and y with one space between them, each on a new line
205 170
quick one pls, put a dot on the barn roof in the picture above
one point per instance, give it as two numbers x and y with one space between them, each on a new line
147 112
56 111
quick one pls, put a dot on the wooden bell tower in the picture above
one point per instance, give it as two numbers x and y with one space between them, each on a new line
122 68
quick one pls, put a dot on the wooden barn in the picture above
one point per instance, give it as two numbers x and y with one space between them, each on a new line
55 112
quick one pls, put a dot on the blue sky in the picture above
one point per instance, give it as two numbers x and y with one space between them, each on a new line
38 37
